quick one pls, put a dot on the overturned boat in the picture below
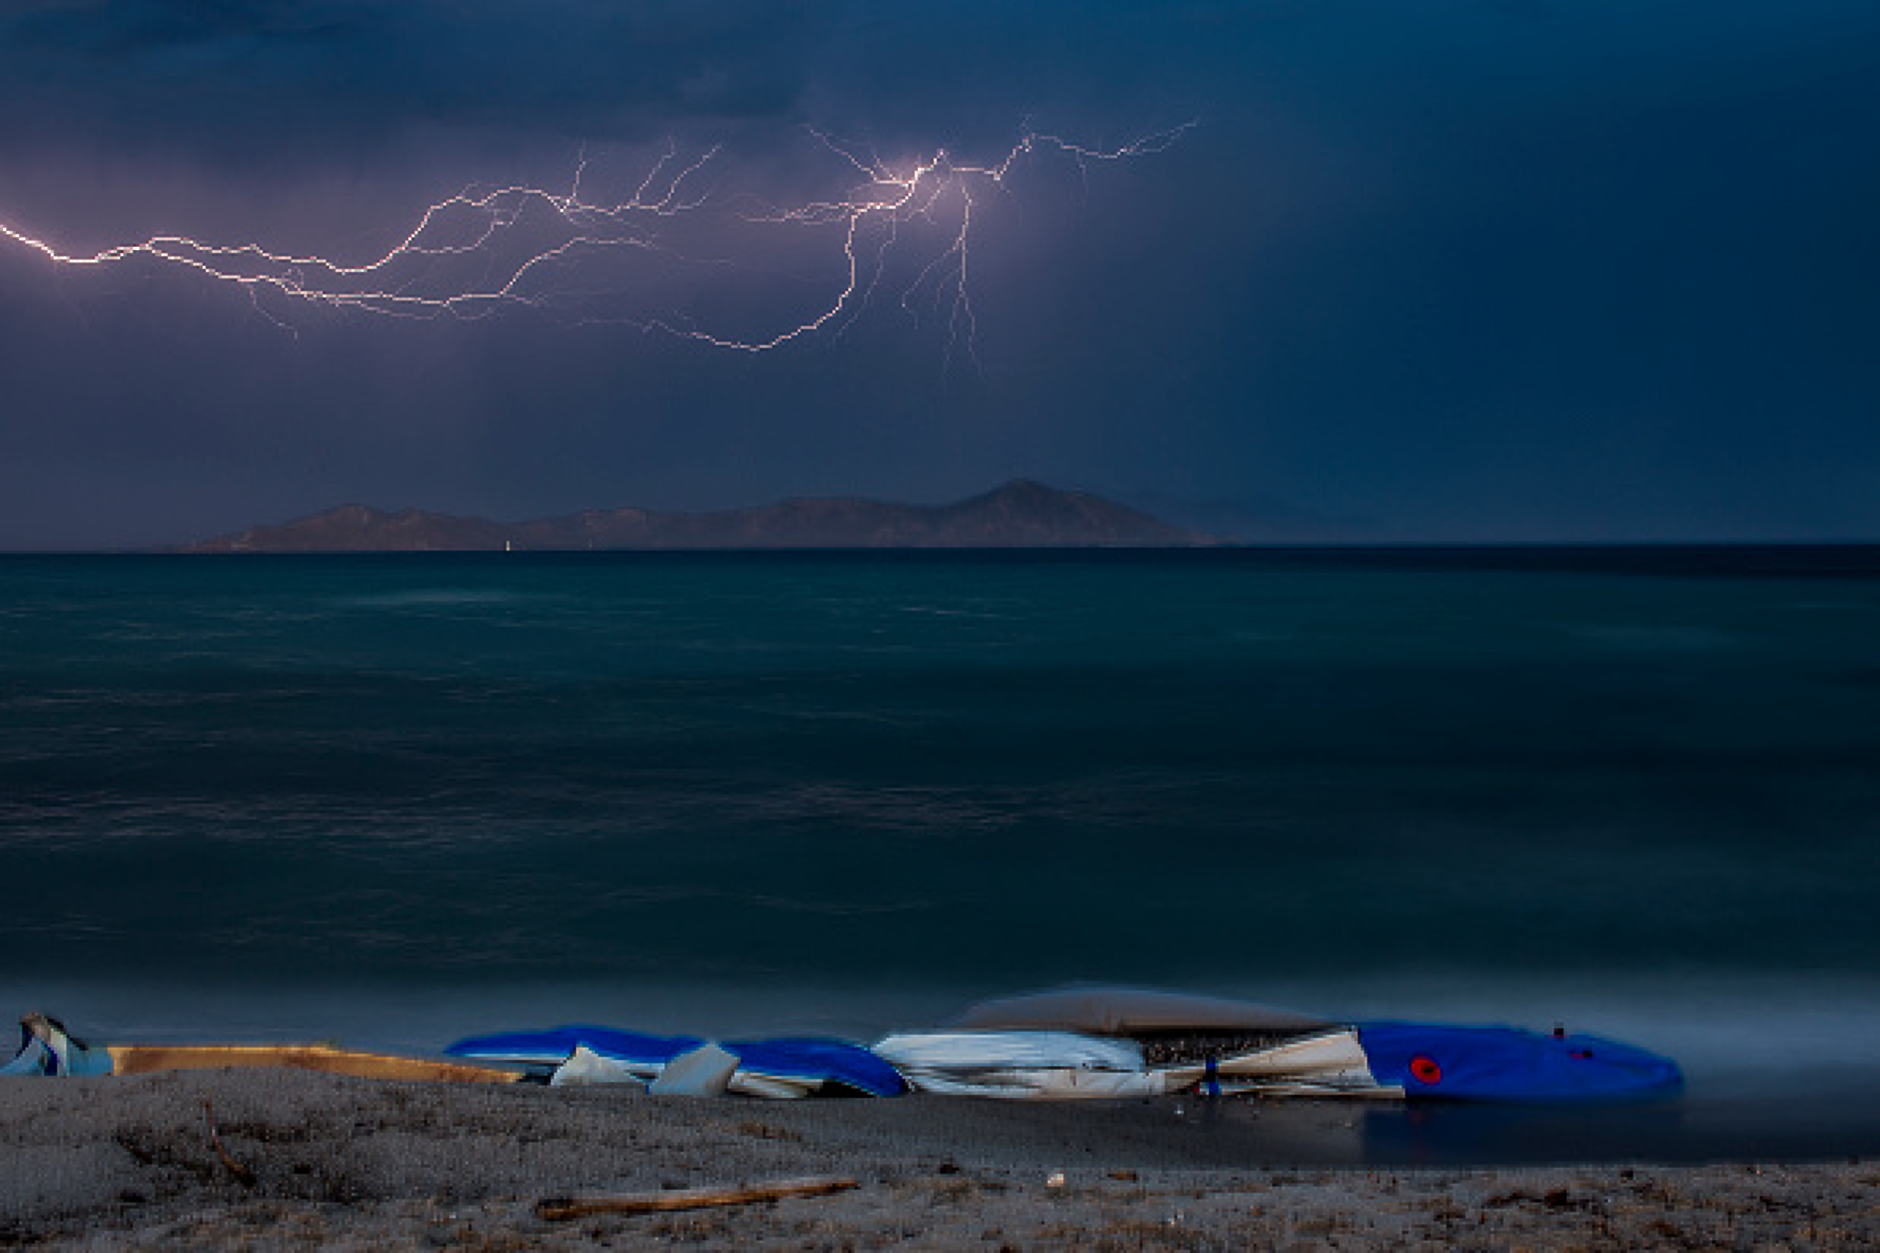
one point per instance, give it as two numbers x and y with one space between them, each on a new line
1115 1042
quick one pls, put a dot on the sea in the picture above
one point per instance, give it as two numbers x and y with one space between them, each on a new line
395 799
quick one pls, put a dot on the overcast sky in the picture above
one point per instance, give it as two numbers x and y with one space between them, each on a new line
1419 270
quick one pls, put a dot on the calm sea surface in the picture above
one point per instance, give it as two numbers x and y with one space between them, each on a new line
403 798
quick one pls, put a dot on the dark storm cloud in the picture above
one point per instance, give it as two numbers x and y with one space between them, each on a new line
1456 269
172 74
226 76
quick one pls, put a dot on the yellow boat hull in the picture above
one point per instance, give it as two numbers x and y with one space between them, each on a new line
146 1059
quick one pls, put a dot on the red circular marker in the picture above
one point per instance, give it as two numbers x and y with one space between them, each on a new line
1425 1070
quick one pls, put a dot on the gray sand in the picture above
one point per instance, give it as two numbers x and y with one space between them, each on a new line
340 1162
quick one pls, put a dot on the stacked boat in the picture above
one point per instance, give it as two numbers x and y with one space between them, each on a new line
1078 1043
1115 1042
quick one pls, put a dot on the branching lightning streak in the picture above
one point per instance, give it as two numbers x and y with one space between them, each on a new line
404 280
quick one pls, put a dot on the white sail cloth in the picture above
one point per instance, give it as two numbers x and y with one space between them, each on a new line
1058 1065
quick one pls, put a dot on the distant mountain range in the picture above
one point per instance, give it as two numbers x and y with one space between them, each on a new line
1021 514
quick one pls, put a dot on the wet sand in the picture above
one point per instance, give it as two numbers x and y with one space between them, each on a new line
331 1161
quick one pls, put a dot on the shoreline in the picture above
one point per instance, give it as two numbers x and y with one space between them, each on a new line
335 1161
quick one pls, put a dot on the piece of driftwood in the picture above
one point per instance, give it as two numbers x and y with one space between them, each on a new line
558 1208
243 1175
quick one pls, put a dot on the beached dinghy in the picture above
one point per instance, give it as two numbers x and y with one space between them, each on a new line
781 1068
1097 1042
47 1048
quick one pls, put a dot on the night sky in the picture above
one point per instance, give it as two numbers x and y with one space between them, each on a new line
1419 270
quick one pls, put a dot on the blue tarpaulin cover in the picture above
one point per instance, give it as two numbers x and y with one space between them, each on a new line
810 1060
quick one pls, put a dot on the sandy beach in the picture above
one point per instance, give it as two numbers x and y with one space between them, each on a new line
303 1160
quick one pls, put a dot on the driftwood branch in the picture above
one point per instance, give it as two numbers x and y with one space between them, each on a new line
243 1175
558 1208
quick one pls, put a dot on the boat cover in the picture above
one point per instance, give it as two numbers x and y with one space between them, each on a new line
785 1066
1058 1065
1050 1064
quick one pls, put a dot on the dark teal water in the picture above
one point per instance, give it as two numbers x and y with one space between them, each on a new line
1639 786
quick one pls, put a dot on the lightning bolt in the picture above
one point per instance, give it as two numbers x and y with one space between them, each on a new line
524 242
